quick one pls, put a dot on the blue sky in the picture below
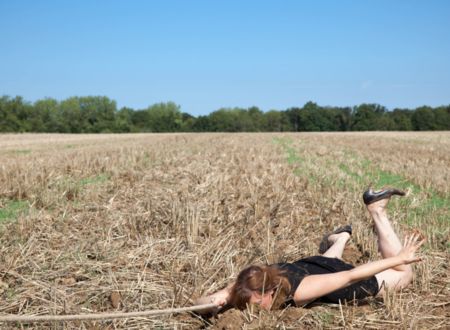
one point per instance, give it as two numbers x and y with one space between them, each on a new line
205 55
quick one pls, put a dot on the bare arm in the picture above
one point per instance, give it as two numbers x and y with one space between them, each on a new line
220 298
316 286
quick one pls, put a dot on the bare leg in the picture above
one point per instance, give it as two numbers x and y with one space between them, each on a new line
389 245
339 242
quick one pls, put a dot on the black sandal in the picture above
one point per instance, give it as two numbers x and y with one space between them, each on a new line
371 196
325 244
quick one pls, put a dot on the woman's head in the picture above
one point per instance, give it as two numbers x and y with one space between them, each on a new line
259 285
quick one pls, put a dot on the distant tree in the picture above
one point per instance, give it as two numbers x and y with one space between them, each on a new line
15 114
370 117
401 119
164 117
293 115
315 118
309 118
89 114
47 117
275 121
255 119
186 116
423 119
342 118
70 116
187 122
225 120
442 118
97 114
236 120
385 123
8 121
123 121
202 124
140 120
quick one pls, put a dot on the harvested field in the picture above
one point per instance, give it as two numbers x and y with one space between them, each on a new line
96 223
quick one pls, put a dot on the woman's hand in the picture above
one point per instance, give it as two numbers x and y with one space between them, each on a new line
220 298
412 243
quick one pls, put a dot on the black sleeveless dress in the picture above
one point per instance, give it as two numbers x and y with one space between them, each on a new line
296 271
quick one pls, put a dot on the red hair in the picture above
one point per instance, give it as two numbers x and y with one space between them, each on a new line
259 279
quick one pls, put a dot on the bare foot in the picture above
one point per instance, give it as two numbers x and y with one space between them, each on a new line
378 207
333 238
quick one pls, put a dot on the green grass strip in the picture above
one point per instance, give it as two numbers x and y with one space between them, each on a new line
94 180
12 209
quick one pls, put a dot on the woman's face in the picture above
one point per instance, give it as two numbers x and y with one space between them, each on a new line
264 300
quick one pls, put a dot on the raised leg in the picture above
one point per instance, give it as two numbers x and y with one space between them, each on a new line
337 249
389 245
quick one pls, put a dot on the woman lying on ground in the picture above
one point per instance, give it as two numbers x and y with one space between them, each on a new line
327 278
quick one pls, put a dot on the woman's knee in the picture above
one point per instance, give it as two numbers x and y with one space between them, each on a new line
394 279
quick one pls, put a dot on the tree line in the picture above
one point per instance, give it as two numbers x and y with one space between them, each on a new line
99 114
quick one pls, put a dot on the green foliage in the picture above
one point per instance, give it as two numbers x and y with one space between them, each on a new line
91 114
124 121
313 118
94 180
275 121
423 119
402 119
442 118
12 209
372 117
160 117
235 120
14 114
99 114
164 117
46 118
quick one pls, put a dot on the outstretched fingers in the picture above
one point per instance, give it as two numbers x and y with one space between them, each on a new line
415 239
419 240
409 239
412 243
